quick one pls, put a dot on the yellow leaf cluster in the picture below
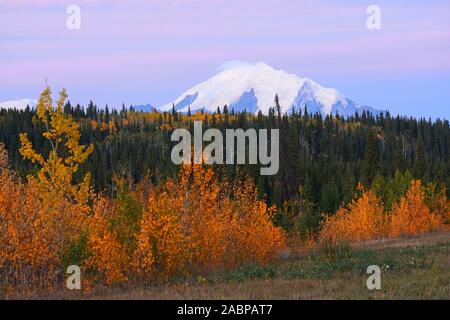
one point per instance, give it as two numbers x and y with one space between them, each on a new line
66 154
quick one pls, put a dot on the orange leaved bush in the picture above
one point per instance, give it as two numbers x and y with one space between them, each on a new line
196 224
107 254
412 216
365 218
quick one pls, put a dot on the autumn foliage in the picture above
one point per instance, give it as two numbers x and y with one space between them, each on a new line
185 226
365 218
199 224
412 216
41 216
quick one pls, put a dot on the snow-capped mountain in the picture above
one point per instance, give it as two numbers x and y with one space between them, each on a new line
252 87
18 104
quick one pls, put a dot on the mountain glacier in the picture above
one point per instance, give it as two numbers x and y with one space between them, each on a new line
252 87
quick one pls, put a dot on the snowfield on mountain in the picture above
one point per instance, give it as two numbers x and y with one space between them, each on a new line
253 87
18 104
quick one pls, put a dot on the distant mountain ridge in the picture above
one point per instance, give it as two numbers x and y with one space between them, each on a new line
144 108
18 104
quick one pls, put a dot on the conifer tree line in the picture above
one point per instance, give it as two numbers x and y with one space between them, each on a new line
322 159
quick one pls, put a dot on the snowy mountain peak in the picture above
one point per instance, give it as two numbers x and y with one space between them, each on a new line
18 104
252 87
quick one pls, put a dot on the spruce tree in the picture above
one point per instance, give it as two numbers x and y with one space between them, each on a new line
420 163
372 158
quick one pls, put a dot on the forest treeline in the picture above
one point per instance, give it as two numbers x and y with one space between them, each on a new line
322 159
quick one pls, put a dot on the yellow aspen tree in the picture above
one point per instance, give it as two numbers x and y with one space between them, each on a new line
66 154
41 216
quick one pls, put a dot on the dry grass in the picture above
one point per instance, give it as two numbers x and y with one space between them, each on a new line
413 268
420 269
415 285
404 242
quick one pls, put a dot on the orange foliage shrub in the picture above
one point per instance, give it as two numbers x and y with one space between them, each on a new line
107 255
365 218
361 220
411 215
161 243
34 229
195 225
